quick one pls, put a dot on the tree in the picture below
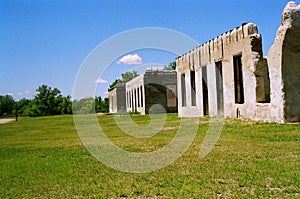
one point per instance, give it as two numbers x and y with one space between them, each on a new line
6 105
129 75
66 105
48 100
171 66
101 106
126 77
32 110
115 83
105 106
84 105
22 104
98 104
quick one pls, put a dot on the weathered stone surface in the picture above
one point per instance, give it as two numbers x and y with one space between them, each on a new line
284 63
261 73
117 99
270 85
155 86
239 80
244 42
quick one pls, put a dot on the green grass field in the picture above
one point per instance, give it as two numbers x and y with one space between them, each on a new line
43 157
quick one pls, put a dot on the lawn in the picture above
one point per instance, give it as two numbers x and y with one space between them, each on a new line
43 157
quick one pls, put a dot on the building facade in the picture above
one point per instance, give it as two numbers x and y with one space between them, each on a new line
226 76
229 75
117 98
152 92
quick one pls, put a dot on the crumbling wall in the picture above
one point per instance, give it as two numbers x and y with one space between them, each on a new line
112 100
262 88
135 95
117 99
155 86
284 63
121 99
243 41
160 88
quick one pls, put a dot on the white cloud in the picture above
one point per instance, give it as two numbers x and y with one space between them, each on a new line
130 59
11 94
27 92
100 81
19 93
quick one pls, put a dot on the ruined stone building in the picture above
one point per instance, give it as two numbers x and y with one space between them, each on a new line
116 96
229 76
154 87
153 91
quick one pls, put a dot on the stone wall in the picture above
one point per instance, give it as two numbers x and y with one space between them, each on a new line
228 76
117 99
135 95
155 86
160 88
284 63
270 88
218 56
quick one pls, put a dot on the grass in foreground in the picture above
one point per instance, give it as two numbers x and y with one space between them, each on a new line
44 158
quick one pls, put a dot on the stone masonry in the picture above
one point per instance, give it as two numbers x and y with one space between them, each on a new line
229 76
117 97
153 91
284 64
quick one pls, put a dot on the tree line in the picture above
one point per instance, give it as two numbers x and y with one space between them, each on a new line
48 101
125 77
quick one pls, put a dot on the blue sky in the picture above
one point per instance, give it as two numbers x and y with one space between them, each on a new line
45 42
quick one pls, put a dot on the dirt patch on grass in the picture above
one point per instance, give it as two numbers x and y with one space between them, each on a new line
3 121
